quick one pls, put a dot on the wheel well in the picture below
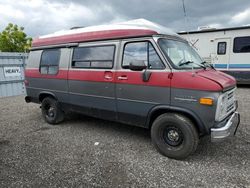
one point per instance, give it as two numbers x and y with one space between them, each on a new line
44 95
159 112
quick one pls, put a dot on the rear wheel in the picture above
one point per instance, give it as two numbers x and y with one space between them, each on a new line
51 111
174 135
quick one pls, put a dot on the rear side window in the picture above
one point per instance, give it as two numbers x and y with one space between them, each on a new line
93 57
221 48
50 61
141 51
241 45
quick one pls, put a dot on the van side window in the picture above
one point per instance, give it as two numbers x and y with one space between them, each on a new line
141 51
241 45
50 61
93 57
221 48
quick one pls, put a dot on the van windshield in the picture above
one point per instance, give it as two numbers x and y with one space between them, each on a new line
181 54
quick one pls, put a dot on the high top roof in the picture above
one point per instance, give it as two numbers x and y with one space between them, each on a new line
132 28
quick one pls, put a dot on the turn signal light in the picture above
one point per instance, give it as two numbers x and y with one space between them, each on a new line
206 101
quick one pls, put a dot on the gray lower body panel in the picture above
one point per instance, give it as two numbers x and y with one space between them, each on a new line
134 102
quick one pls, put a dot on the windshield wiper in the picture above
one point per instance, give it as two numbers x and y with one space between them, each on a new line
208 64
185 63
189 62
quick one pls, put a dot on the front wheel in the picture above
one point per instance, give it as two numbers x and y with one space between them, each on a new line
174 135
51 111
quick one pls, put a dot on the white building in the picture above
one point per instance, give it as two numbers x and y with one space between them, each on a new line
228 49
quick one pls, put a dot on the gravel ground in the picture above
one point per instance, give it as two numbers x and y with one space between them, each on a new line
87 152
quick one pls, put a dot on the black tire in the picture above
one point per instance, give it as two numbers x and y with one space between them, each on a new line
51 111
174 135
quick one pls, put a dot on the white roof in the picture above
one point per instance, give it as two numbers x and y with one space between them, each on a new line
131 24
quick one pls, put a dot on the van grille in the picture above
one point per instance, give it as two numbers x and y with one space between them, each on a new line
230 102
230 108
226 105
230 95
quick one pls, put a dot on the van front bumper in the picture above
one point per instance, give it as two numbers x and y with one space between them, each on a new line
229 128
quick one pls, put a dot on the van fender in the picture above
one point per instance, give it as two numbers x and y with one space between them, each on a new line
160 109
46 93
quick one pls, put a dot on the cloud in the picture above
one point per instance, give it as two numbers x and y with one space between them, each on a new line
41 17
8 11
241 17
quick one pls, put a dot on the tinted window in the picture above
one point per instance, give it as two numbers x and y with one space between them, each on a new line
135 52
141 51
241 45
93 57
221 48
50 61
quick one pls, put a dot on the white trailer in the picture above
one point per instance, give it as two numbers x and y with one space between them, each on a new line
228 49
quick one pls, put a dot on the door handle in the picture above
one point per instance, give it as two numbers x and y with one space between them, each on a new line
108 77
122 78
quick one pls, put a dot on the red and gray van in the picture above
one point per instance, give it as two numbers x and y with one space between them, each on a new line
137 73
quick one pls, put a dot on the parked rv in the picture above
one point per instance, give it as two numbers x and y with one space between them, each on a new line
138 73
228 49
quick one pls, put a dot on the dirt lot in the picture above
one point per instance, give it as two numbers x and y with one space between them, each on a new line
35 154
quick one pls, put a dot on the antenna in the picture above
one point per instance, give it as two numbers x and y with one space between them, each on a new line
184 8
186 22
185 19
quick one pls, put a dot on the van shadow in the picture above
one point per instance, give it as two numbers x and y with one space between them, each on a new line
80 121
230 151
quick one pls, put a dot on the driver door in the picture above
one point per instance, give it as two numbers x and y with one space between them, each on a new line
135 97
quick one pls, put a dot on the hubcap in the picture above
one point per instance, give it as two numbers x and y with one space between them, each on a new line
51 112
173 136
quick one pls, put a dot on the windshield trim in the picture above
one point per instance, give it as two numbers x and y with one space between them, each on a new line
168 58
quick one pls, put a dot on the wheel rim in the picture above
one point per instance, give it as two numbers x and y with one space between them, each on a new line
50 111
173 136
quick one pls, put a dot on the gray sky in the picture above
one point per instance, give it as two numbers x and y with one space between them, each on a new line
40 17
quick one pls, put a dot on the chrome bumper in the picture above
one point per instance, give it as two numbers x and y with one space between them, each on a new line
229 129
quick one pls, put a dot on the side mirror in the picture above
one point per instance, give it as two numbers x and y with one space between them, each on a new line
137 65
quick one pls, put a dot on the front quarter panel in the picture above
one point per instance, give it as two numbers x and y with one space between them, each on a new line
189 99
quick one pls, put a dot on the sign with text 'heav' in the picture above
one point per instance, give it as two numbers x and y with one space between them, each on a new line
12 71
